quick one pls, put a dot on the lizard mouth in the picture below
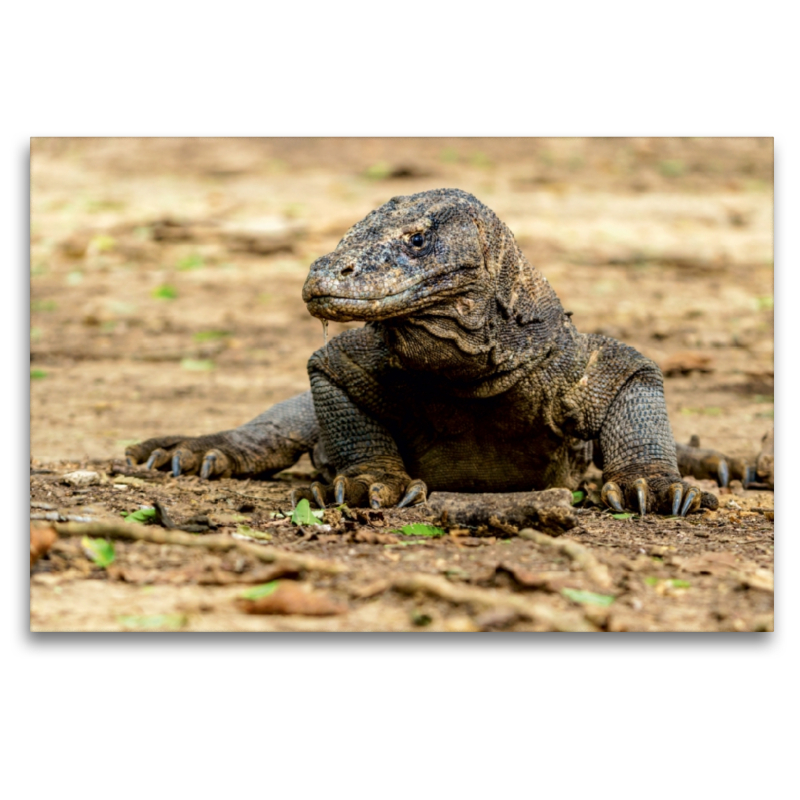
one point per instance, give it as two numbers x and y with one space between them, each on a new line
346 309
341 308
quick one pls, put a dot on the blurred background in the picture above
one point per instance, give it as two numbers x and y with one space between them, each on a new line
166 273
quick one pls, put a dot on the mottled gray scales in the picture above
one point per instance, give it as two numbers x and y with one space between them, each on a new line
468 376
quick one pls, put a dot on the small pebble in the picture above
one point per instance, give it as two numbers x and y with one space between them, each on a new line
81 477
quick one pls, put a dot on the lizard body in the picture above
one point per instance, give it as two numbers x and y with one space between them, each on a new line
468 376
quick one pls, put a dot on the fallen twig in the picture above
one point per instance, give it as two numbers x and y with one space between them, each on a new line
219 543
596 572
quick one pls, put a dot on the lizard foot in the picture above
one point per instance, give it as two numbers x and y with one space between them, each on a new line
185 455
376 490
699 462
659 495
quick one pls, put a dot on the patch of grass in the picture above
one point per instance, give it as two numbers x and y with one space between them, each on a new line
74 278
672 168
43 305
449 155
165 292
102 243
198 364
193 261
379 171
588 598
480 160
765 303
149 621
38 374
36 334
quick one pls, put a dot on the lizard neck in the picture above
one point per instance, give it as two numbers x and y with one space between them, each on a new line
488 338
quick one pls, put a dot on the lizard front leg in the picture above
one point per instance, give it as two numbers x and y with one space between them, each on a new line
369 469
267 444
640 468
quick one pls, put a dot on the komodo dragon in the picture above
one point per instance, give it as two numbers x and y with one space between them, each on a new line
468 376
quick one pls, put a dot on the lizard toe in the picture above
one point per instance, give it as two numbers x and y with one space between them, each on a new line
416 493
157 459
215 465
320 493
611 495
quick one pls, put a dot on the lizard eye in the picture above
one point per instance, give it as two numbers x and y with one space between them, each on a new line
417 240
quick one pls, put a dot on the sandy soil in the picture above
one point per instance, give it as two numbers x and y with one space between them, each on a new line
165 297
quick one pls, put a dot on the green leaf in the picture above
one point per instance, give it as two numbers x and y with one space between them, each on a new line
379 171
623 516
580 596
254 592
246 530
194 261
101 551
651 581
165 292
577 497
198 364
421 619
142 515
208 336
138 621
37 374
303 515
677 583
419 529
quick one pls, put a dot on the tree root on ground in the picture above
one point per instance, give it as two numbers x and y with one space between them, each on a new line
493 600
218 543
596 572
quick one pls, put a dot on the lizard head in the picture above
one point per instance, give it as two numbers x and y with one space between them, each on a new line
410 254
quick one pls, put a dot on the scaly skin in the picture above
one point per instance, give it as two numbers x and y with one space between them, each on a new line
468 376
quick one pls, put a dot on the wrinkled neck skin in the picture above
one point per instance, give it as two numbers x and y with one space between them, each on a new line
504 324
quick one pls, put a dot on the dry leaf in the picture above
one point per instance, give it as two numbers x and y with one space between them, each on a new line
42 539
291 598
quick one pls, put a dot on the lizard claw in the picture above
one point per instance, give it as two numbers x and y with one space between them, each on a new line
611 495
376 492
339 490
676 493
416 492
157 459
176 465
208 465
640 486
318 493
722 473
689 500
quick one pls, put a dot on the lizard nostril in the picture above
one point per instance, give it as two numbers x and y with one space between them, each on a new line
347 271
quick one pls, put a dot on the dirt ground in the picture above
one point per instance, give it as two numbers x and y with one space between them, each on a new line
165 298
